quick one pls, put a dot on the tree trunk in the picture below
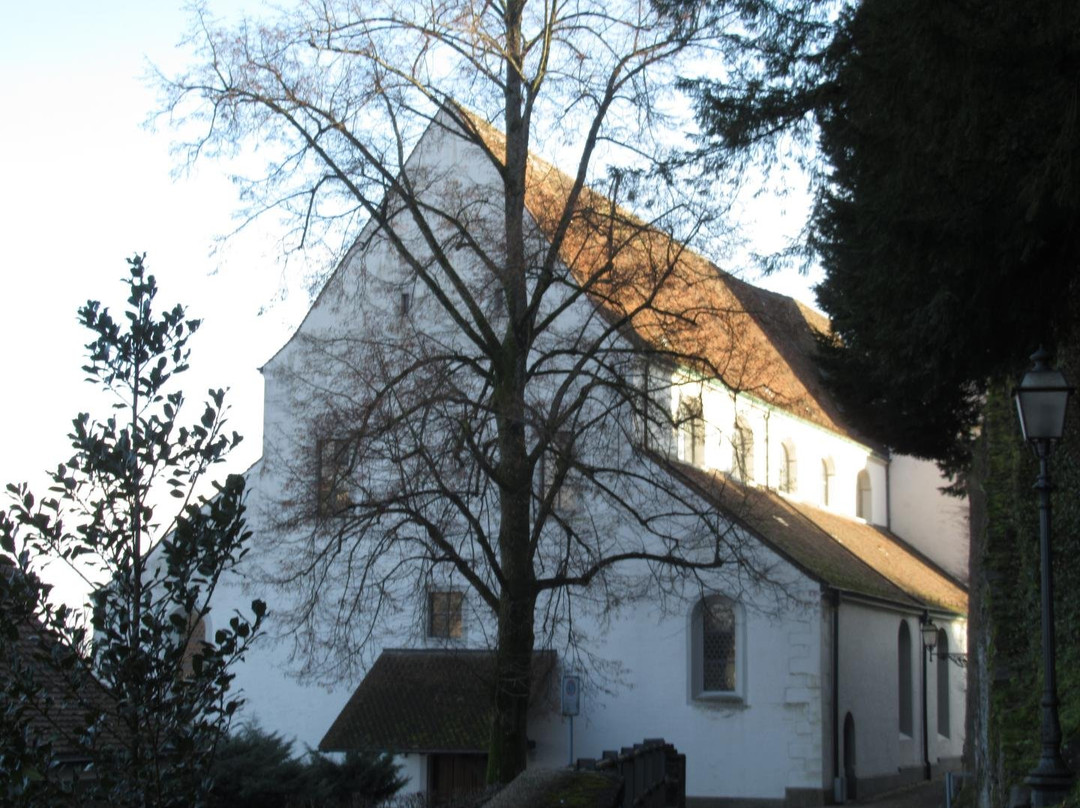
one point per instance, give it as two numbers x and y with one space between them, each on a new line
508 750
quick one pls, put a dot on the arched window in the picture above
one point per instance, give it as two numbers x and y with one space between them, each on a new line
691 431
863 496
828 470
789 478
742 460
943 683
716 628
903 655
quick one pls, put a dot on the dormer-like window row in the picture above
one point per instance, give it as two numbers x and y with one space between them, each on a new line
763 446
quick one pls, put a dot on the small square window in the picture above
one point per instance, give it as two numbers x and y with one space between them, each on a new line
444 614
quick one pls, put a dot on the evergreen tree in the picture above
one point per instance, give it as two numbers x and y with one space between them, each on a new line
128 709
946 202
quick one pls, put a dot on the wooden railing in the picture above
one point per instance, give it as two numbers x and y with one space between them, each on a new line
653 773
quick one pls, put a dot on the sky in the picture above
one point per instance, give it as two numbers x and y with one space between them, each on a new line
84 184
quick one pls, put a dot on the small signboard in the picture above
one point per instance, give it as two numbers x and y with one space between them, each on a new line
571 694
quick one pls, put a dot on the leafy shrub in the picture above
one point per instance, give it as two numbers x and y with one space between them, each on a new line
257 769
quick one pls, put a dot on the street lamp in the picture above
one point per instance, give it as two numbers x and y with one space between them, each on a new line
1041 400
929 631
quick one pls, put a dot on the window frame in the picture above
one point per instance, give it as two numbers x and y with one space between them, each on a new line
742 450
864 496
690 430
333 457
454 602
697 660
828 478
944 690
567 498
788 482
905 690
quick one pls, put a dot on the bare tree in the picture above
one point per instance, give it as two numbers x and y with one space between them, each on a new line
497 397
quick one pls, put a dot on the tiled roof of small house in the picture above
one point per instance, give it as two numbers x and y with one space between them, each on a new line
58 712
755 341
427 700
845 554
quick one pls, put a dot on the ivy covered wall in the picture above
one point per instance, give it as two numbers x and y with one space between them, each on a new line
1005 685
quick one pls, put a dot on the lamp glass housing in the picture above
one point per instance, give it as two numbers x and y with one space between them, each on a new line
929 634
1041 401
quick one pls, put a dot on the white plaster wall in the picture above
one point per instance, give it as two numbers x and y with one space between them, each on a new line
274 698
932 522
770 741
950 746
773 427
756 746
414 768
869 690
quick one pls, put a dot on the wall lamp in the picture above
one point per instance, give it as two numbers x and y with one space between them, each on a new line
929 640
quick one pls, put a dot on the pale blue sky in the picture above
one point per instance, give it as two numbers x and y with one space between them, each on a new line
83 185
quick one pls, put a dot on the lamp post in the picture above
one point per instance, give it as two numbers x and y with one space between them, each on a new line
1041 400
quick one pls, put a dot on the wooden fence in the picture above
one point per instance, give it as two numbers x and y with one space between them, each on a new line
653 773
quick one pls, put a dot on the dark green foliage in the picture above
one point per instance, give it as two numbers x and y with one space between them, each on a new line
947 226
256 769
372 777
1011 584
947 197
131 706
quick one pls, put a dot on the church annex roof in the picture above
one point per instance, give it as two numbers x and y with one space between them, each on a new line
845 554
428 701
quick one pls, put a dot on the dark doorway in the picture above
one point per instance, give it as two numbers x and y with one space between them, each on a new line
455 775
849 756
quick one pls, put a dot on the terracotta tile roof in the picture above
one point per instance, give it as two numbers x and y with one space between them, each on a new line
427 701
66 705
754 340
842 553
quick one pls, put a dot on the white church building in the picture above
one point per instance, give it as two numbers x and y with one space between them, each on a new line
797 676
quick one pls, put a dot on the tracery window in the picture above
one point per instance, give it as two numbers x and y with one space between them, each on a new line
716 628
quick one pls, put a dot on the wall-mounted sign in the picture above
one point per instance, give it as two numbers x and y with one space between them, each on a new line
571 694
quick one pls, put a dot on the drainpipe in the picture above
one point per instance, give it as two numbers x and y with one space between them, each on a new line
768 484
888 490
836 691
927 771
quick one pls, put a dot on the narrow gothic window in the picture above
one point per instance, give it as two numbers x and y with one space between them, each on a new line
691 431
788 469
906 700
943 683
863 496
827 472
716 640
718 645
743 451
